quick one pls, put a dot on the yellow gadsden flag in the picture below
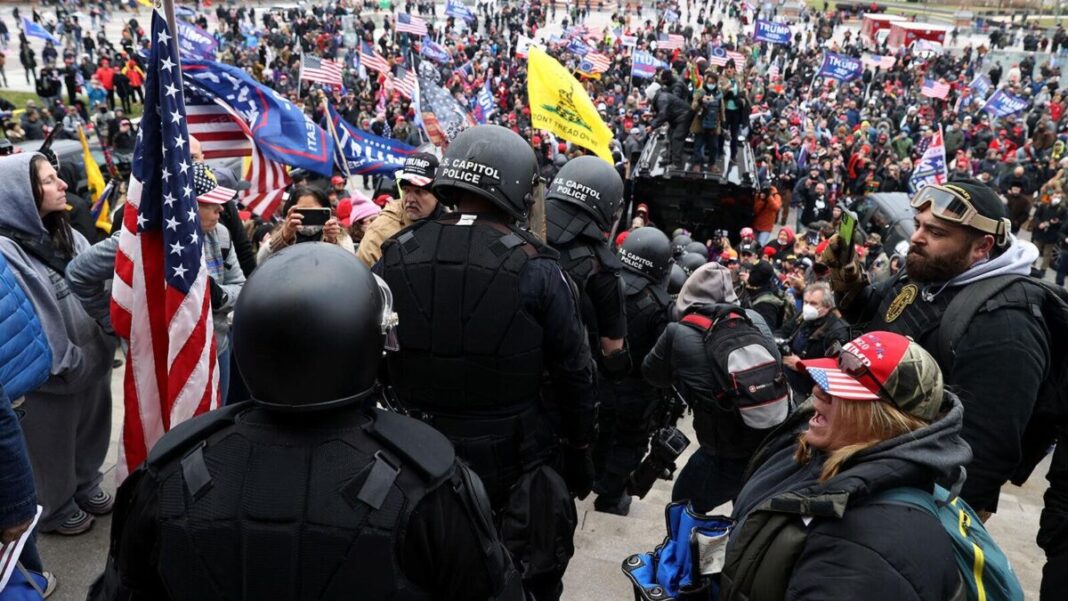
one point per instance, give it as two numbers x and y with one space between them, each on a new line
95 181
559 104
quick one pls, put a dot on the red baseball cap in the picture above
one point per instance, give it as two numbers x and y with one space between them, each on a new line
878 365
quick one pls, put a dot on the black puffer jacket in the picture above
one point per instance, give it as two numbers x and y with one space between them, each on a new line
850 549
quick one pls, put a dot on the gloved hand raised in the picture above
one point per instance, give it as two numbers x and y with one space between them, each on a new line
845 279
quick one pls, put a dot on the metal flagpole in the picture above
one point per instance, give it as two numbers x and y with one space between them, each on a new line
337 142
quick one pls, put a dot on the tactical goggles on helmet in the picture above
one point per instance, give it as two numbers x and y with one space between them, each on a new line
389 320
951 204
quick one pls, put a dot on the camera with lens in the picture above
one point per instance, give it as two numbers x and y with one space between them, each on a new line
783 344
668 444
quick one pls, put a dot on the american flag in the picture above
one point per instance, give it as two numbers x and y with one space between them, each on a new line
223 133
268 182
321 70
404 82
160 301
934 89
408 24
883 62
670 41
599 61
836 383
443 116
372 60
720 56
220 133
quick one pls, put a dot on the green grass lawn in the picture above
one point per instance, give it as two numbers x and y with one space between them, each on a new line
19 100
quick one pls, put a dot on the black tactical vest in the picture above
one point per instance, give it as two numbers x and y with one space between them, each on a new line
647 315
260 509
467 343
905 310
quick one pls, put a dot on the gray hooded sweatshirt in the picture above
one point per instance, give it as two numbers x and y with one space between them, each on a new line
81 351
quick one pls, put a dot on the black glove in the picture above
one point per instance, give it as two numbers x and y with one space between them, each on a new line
218 295
577 470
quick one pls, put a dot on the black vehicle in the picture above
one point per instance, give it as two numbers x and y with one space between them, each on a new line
887 214
700 201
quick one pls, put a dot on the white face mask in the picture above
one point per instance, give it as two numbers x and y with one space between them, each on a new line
809 313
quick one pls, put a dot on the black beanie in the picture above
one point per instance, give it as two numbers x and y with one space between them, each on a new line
984 198
761 274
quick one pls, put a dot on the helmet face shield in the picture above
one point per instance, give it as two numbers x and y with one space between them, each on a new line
389 318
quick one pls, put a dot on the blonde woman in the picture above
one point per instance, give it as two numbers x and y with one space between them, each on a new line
878 418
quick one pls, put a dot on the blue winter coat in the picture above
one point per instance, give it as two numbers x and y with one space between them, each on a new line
25 357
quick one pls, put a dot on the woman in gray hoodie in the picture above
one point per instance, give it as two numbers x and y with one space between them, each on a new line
68 419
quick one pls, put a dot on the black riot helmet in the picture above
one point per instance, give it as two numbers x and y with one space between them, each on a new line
678 244
492 162
691 261
647 251
309 328
677 279
697 248
591 184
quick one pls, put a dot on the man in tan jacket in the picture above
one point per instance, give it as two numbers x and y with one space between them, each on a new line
417 202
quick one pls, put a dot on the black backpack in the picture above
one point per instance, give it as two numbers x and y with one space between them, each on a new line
1050 303
748 375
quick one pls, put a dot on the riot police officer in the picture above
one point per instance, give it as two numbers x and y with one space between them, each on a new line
307 491
484 311
628 404
582 204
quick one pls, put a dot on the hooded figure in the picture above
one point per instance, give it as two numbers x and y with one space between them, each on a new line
68 419
714 474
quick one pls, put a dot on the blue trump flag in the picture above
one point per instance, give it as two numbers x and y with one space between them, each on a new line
196 43
434 51
771 32
280 129
454 8
840 67
578 47
367 154
185 13
981 86
36 30
644 65
1003 104
484 105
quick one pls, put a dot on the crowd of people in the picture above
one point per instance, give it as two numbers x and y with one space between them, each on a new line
548 343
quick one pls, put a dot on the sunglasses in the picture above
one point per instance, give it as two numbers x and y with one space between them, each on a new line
953 204
853 366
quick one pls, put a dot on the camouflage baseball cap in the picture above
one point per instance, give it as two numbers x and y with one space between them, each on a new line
882 366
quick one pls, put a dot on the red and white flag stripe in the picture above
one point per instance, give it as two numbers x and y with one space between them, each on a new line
373 60
175 350
219 132
411 24
600 62
405 85
269 180
320 70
